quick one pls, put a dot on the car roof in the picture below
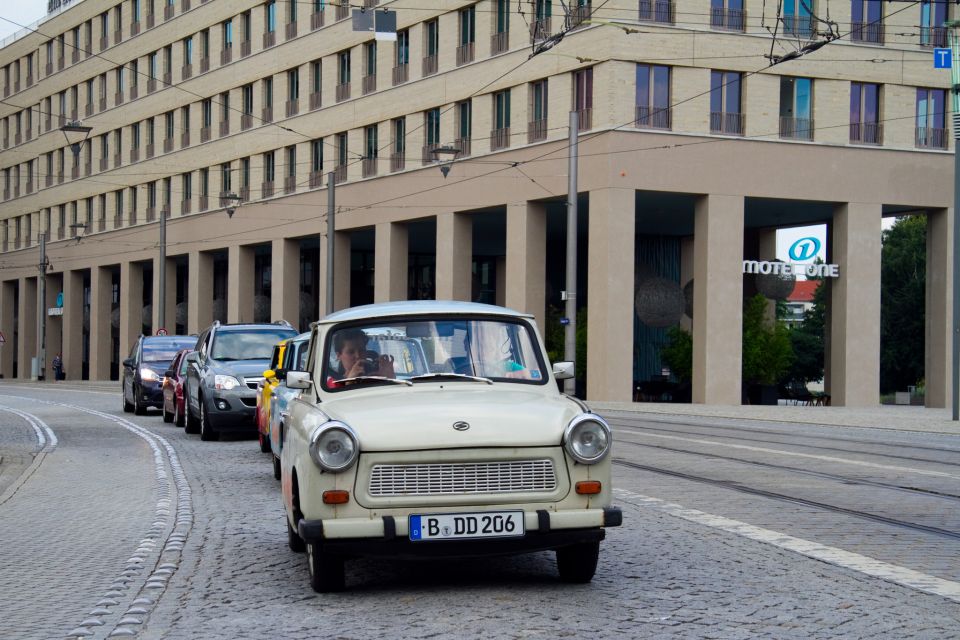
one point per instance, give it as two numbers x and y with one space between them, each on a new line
417 307
254 325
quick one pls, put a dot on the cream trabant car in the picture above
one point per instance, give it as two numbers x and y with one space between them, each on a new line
436 429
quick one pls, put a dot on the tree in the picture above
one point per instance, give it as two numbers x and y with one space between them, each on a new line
807 340
678 353
767 351
903 303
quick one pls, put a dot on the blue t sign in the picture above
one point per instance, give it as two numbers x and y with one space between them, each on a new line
941 59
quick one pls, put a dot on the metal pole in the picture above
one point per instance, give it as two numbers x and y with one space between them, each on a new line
570 295
331 204
162 297
955 74
41 307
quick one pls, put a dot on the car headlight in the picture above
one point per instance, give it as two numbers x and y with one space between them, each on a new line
149 375
587 438
225 382
334 446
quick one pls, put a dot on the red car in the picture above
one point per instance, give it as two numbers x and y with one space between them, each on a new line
173 381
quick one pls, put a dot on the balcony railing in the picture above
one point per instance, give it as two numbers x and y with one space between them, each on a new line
316 179
104 42
204 65
314 101
151 20
103 103
369 167
401 74
186 72
427 153
104 164
266 189
396 162
340 174
537 130
369 84
933 37
185 139
343 92
292 107
866 132
245 194
500 138
465 53
246 121
796 128
116 160
204 203
167 145
266 115
185 206
269 39
117 36
246 47
540 29
60 233
291 30
151 213
728 19
873 32
343 9
585 119
150 150
316 20
463 144
430 65
134 90
224 128
930 138
226 55
499 42
118 98
135 155
653 117
151 85
134 28
658 11
728 123
75 55
289 184
578 16
184 5
168 12
799 26
74 172
204 134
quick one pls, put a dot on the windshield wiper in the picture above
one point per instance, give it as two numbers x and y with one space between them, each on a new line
375 379
456 376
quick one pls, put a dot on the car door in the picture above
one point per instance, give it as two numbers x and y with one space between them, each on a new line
194 374
129 372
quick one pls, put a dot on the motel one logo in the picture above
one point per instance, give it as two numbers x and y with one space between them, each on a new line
802 249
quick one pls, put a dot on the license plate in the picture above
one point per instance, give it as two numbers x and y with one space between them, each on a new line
461 526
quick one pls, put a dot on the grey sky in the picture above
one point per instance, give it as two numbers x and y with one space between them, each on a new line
26 12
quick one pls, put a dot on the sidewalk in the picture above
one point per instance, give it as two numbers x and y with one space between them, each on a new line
99 385
903 418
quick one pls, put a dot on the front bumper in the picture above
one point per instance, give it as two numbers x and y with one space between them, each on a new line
151 394
389 535
232 410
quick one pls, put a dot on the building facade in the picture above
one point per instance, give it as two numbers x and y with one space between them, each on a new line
693 150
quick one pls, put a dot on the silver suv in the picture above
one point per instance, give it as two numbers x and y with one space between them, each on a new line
223 374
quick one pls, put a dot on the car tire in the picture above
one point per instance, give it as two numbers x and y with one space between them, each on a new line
207 433
177 415
326 569
276 468
167 416
294 541
264 442
127 407
578 562
138 409
191 424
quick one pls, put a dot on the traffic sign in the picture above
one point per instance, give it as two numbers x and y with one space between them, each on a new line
161 331
942 58
3 339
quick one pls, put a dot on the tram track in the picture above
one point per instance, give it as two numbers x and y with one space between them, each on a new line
772 495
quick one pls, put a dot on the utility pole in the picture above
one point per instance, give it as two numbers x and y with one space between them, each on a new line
331 207
955 75
162 294
570 294
42 307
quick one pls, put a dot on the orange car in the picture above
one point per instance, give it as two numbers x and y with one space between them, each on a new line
265 393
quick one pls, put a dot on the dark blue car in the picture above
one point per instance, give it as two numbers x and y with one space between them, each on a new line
142 379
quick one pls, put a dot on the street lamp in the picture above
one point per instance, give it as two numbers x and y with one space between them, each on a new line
77 227
75 142
445 165
230 202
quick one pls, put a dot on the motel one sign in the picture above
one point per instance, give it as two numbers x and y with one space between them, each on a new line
802 249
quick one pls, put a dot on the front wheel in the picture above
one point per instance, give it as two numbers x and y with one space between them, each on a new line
578 562
138 409
167 416
177 414
276 468
294 541
191 425
264 442
127 407
326 570
207 432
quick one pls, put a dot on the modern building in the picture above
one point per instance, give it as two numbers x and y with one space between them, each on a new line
800 300
693 150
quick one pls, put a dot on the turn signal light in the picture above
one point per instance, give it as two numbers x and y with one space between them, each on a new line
338 496
585 487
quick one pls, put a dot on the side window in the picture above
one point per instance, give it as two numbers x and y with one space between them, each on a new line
135 349
183 365
203 346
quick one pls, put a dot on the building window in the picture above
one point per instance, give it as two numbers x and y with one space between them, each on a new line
728 15
226 183
245 178
188 50
432 126
206 112
316 157
402 50
933 13
467 34
653 97
292 10
931 119
463 125
343 67
186 187
726 115
866 21
268 93
865 124
399 133
227 34
293 84
246 93
153 66
269 167
371 150
500 136
340 172
271 16
796 100
316 84
797 20
583 97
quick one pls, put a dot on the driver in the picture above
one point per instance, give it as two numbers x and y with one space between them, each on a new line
350 345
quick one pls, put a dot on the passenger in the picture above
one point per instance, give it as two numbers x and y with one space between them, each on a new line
350 346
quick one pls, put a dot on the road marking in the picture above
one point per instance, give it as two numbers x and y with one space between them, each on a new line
47 441
873 465
831 555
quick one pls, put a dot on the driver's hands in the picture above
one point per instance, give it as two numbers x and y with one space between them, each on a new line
356 370
386 367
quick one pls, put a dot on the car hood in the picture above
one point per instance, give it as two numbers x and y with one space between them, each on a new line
422 417
242 368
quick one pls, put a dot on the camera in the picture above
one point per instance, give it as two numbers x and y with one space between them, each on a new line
371 362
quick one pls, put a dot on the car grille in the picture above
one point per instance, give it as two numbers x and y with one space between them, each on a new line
462 478
253 383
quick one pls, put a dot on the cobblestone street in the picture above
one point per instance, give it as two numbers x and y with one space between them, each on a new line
130 527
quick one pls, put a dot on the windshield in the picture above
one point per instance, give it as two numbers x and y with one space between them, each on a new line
247 344
165 349
498 350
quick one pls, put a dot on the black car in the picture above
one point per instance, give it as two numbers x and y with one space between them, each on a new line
142 379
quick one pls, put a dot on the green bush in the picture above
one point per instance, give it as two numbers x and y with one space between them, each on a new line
767 348
678 354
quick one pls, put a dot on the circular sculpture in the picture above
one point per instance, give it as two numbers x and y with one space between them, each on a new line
261 309
658 302
688 298
775 286
115 318
219 309
182 313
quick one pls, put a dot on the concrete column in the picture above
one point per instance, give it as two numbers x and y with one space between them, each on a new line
101 290
454 256
54 342
72 347
390 267
27 324
131 305
610 285
170 321
199 291
767 250
240 284
526 259
718 299
341 269
7 294
285 286
938 342
855 306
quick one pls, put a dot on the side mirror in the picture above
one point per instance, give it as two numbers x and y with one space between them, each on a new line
169 373
128 363
298 380
563 370
269 374
192 357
